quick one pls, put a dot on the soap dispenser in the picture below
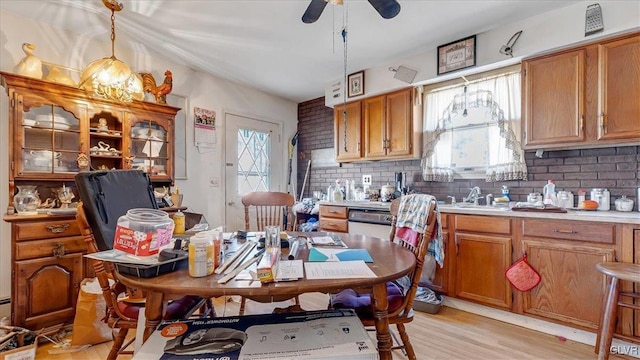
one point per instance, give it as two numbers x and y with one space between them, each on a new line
505 192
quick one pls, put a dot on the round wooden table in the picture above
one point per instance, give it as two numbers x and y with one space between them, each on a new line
390 261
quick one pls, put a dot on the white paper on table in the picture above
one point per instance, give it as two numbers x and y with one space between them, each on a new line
338 270
290 270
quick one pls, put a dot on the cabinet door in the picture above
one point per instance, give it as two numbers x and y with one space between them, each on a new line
375 135
554 106
619 72
347 131
398 125
151 146
481 261
571 289
47 138
46 290
441 278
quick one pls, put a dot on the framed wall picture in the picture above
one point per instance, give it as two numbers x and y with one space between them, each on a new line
457 55
355 83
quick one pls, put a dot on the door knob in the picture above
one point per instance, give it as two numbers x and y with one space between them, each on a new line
231 203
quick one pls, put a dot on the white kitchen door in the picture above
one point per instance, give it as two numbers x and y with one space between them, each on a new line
253 162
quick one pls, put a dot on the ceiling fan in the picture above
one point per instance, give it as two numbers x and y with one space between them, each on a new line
386 8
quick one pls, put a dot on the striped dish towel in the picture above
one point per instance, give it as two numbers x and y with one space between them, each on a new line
412 214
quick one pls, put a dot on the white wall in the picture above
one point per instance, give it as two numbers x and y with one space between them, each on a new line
540 33
58 46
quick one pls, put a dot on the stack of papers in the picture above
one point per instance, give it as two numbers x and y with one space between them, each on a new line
327 241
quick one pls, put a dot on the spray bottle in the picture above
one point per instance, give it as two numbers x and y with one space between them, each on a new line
505 192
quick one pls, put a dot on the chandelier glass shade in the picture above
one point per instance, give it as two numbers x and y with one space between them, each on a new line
109 77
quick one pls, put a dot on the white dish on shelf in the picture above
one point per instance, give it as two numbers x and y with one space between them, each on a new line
29 122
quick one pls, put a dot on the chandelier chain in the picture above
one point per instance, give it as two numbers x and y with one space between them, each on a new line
113 33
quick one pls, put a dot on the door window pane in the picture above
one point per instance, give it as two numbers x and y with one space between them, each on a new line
253 161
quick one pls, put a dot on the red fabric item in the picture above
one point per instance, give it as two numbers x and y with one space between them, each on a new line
408 235
522 275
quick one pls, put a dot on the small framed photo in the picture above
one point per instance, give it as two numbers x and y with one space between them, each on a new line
355 83
457 55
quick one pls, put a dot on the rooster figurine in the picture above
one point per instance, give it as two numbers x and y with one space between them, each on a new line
159 91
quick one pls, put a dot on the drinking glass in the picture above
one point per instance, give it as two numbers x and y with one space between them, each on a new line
272 237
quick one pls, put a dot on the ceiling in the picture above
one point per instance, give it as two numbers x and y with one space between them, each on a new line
264 43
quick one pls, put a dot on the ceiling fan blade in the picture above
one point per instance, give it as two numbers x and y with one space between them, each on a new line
313 12
386 8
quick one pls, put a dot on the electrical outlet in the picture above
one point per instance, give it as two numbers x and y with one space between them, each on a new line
214 181
366 180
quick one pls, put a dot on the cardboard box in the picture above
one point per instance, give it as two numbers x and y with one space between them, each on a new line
27 352
331 334
268 265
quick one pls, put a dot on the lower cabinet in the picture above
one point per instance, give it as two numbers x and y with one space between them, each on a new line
47 269
482 255
565 253
571 289
440 282
46 290
334 218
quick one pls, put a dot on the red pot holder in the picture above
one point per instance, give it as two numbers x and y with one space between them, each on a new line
522 276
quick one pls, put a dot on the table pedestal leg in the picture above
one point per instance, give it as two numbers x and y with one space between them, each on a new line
154 308
380 316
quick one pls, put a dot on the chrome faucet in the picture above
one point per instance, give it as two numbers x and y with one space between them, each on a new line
473 196
488 199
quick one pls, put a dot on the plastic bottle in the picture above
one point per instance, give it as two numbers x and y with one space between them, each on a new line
201 255
505 192
179 220
549 193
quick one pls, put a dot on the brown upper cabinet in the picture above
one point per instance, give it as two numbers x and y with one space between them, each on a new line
583 96
383 127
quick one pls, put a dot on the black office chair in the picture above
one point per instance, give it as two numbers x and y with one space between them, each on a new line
105 196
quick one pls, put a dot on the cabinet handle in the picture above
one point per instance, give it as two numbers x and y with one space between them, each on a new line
565 231
582 123
59 250
358 146
603 124
57 229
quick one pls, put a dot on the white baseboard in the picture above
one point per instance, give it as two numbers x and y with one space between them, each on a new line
581 336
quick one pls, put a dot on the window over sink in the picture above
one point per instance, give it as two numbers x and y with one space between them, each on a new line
472 130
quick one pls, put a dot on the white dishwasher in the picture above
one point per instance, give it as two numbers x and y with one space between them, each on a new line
370 222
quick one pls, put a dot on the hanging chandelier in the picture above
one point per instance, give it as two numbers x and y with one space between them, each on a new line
109 77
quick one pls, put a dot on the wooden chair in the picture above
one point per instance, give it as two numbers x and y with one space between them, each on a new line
615 271
400 305
124 304
269 208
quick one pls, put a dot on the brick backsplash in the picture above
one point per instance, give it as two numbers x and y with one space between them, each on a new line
613 168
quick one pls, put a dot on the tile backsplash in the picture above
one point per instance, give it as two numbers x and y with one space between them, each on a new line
613 168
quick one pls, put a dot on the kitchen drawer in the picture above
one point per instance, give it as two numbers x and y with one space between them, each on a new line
339 212
570 230
43 248
337 225
45 230
486 224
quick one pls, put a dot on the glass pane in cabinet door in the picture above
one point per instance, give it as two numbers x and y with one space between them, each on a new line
51 140
149 146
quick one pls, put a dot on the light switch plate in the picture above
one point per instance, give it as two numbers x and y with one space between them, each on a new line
366 180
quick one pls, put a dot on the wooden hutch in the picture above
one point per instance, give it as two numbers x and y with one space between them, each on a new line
55 131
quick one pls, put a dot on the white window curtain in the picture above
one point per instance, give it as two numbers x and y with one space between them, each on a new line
500 99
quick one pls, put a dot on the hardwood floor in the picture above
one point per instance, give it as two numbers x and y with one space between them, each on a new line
451 334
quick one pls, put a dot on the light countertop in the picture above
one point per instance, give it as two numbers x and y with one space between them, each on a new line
632 217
